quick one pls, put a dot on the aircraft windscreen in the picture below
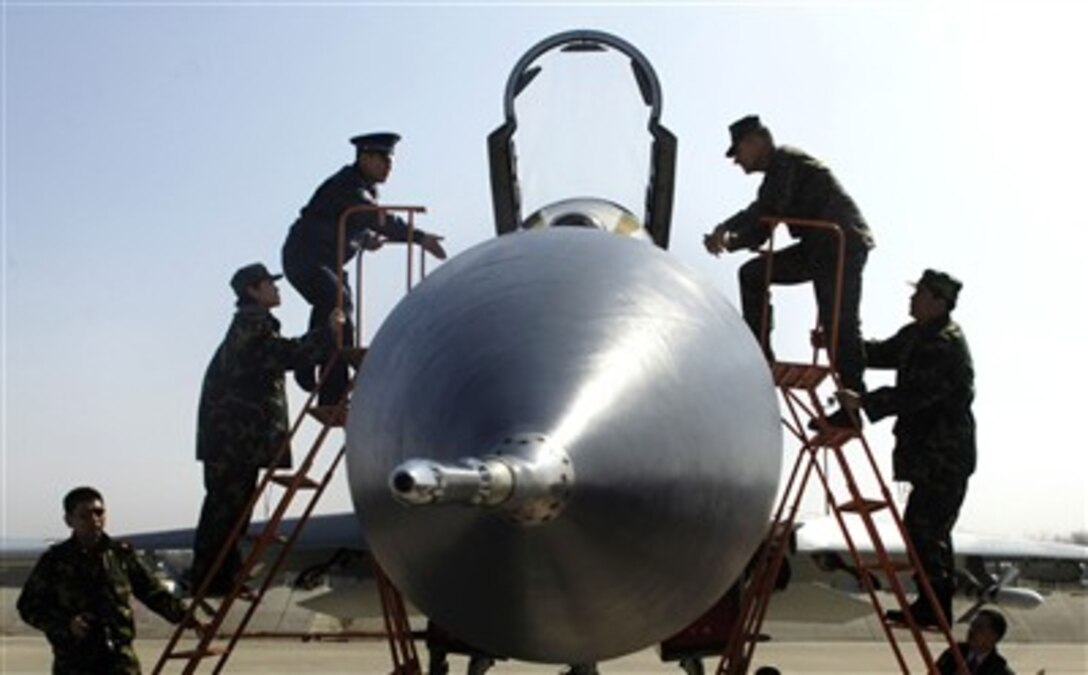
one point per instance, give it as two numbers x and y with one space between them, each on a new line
582 131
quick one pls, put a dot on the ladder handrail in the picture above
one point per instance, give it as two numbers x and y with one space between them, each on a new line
341 246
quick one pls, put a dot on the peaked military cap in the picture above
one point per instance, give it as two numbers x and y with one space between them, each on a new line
941 284
741 128
382 142
251 275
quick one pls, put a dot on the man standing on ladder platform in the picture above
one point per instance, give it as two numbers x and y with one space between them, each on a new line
934 429
310 252
797 185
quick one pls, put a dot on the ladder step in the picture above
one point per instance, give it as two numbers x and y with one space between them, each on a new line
833 437
246 594
197 653
353 355
329 415
287 479
798 375
863 505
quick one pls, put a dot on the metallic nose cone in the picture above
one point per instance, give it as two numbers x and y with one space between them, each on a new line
563 445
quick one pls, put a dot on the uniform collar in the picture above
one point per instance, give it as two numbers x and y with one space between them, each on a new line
935 325
101 545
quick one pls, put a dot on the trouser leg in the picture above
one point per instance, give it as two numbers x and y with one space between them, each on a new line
228 488
318 284
788 267
849 352
438 663
932 510
337 376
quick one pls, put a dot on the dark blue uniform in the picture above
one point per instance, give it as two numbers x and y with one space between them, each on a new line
310 257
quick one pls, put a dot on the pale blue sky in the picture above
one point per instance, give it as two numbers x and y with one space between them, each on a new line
151 149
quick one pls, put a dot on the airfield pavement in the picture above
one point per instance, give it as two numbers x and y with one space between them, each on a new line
1053 638
30 654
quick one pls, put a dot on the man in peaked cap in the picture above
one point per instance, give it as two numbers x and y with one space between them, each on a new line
934 427
797 185
310 257
242 418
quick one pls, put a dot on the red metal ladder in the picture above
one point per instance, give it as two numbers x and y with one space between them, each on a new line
398 631
798 385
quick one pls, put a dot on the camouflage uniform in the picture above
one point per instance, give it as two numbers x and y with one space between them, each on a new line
934 433
242 425
310 256
69 580
797 185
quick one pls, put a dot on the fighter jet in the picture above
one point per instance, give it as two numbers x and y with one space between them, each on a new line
564 445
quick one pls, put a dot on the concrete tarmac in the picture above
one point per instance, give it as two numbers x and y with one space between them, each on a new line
1053 638
30 654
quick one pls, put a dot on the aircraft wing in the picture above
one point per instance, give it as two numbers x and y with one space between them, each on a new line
988 568
824 535
19 548
330 550
331 531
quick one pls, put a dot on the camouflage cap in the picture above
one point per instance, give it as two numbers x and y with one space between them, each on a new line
741 128
383 142
941 284
250 275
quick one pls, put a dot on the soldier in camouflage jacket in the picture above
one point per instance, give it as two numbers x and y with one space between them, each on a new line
242 421
934 427
797 185
80 590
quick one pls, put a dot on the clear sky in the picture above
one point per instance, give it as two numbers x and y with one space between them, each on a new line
149 149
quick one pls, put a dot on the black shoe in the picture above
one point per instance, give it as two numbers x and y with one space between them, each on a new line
478 665
840 419
305 376
923 616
